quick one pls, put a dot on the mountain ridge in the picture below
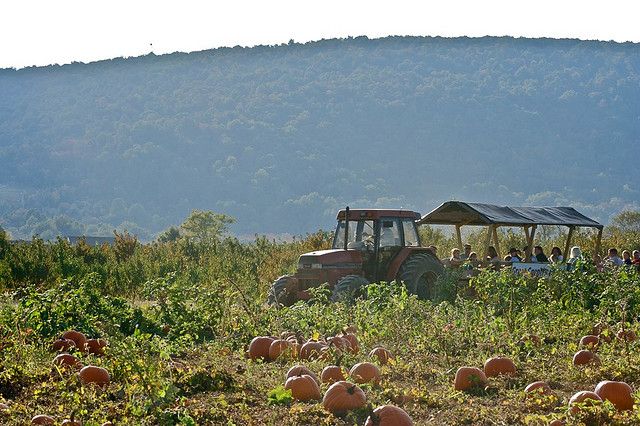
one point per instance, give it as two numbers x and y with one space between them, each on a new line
282 136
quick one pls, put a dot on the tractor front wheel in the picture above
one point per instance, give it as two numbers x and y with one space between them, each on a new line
280 294
419 273
348 288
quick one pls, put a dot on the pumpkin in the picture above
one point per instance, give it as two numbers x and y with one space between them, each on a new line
107 424
557 422
499 365
618 393
343 396
96 346
331 373
537 388
93 374
286 335
365 372
71 422
298 370
626 335
62 344
42 419
277 347
468 378
303 387
585 357
312 350
354 347
599 327
78 338
382 354
589 341
66 360
259 347
583 397
389 415
339 343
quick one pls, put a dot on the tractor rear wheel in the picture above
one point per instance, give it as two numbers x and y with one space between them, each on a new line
348 288
419 273
279 293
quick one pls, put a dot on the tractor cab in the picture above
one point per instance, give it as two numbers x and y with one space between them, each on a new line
378 234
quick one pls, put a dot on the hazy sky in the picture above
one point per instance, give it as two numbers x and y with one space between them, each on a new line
41 32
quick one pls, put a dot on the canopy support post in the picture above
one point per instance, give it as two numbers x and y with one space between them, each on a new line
459 236
567 246
598 241
496 243
487 241
529 250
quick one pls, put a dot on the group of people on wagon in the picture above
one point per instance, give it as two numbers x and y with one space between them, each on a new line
538 255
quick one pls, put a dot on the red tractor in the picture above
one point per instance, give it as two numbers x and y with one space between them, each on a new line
369 245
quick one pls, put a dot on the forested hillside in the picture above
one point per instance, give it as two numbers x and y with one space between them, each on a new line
282 136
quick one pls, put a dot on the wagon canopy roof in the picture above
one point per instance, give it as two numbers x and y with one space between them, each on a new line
461 213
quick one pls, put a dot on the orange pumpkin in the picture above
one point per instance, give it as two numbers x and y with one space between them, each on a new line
353 342
499 365
339 343
365 372
585 357
95 375
468 378
42 419
589 341
381 354
557 422
343 396
298 370
277 347
332 373
583 397
78 338
71 422
66 360
618 393
259 347
312 350
389 415
303 387
537 388
96 346
107 424
626 335
62 344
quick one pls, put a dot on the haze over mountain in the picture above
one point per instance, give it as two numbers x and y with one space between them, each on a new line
280 137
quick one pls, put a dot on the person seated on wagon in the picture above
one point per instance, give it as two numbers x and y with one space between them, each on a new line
636 257
556 253
532 258
540 256
613 258
492 254
626 257
513 252
466 253
455 260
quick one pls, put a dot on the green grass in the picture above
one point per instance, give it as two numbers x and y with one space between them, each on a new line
178 318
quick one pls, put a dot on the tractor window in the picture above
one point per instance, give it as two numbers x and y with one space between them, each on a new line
410 234
361 235
390 233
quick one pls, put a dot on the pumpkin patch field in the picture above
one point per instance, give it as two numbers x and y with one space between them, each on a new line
179 333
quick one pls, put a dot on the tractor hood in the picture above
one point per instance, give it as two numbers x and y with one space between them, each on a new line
332 259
